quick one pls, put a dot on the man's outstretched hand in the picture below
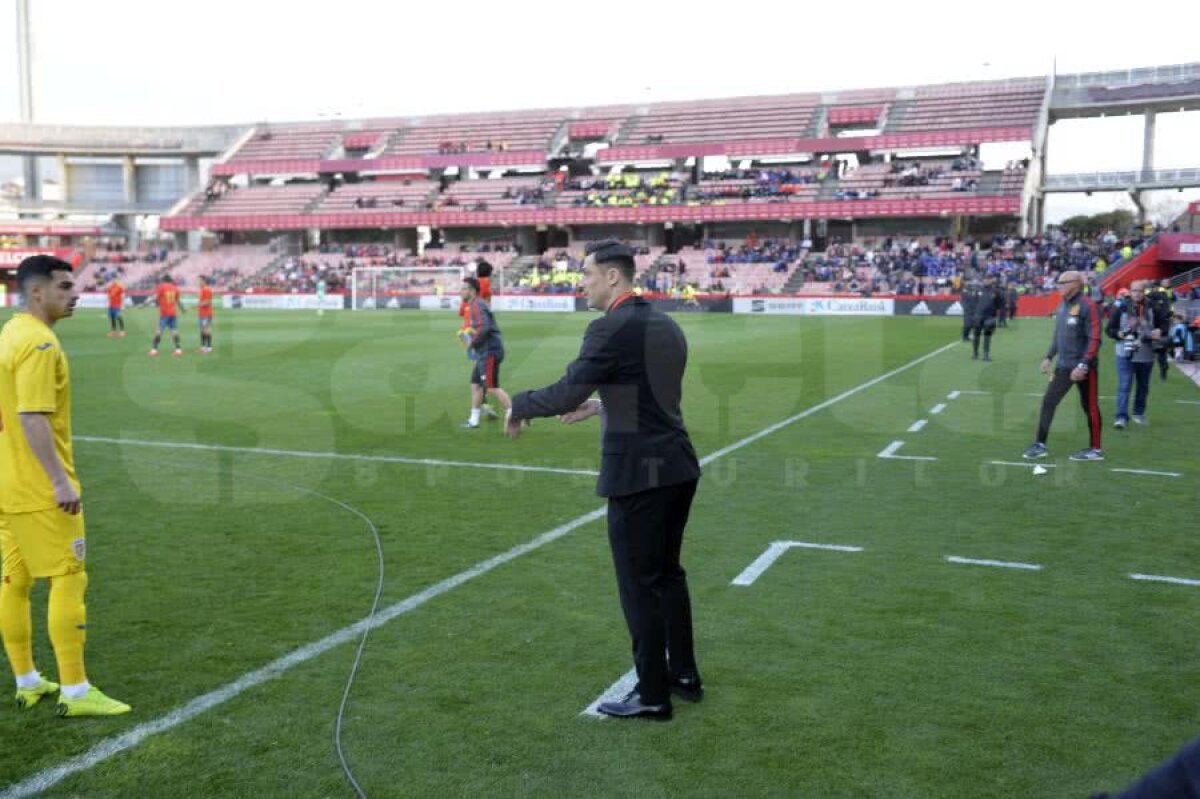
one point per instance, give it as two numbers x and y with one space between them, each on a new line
512 427
588 409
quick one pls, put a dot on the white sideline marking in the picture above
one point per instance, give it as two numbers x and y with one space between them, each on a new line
766 431
1028 465
916 426
1188 402
889 453
1004 564
626 682
953 395
936 409
110 747
1156 578
514 467
1149 472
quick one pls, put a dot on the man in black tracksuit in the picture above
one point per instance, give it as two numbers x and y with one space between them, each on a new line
635 357
988 306
1076 344
969 299
1011 297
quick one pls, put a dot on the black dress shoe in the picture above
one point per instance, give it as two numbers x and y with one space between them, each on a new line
631 707
687 688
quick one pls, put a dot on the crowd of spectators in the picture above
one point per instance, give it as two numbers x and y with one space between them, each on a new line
774 185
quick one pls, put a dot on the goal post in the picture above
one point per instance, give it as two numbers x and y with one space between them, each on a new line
374 287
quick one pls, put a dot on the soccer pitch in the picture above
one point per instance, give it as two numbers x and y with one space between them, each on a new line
877 669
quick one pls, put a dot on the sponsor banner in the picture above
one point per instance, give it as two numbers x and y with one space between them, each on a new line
533 302
699 304
92 299
446 302
283 302
815 306
929 306
11 259
400 302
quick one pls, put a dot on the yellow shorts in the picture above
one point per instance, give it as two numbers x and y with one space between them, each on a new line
47 543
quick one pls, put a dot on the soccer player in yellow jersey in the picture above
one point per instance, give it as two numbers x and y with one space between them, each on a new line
41 514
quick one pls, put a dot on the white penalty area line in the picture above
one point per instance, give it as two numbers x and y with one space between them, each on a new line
1002 564
1157 578
889 453
936 409
916 426
110 747
777 548
341 456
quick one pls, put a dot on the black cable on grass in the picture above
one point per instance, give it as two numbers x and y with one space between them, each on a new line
367 624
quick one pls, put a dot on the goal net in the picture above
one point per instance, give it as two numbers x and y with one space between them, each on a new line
373 287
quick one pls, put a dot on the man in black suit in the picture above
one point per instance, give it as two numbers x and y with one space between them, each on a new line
635 357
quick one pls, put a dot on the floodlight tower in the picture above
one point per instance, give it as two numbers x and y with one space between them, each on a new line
33 183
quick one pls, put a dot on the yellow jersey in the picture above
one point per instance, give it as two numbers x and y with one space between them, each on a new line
34 378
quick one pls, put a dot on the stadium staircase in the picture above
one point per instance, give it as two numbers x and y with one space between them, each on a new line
990 184
895 114
253 279
316 201
819 127
627 129
1186 281
795 281
1144 265
518 269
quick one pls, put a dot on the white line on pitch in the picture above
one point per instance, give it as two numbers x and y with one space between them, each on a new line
1156 578
110 747
766 431
293 453
980 393
953 395
1148 472
616 691
936 409
1029 465
1003 564
889 453
1188 402
916 426
777 548
627 680
761 563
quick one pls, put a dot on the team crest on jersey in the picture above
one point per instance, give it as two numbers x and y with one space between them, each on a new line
79 547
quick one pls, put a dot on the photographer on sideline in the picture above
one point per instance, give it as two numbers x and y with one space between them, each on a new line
1135 326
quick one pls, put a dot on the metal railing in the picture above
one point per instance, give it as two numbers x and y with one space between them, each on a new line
1119 181
1171 73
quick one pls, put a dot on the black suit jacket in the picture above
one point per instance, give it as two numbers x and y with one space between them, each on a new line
635 357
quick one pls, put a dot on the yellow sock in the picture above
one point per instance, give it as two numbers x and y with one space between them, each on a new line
16 626
68 626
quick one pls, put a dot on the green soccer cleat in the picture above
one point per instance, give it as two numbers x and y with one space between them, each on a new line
93 703
28 697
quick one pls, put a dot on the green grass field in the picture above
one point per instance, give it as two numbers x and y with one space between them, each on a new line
888 672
